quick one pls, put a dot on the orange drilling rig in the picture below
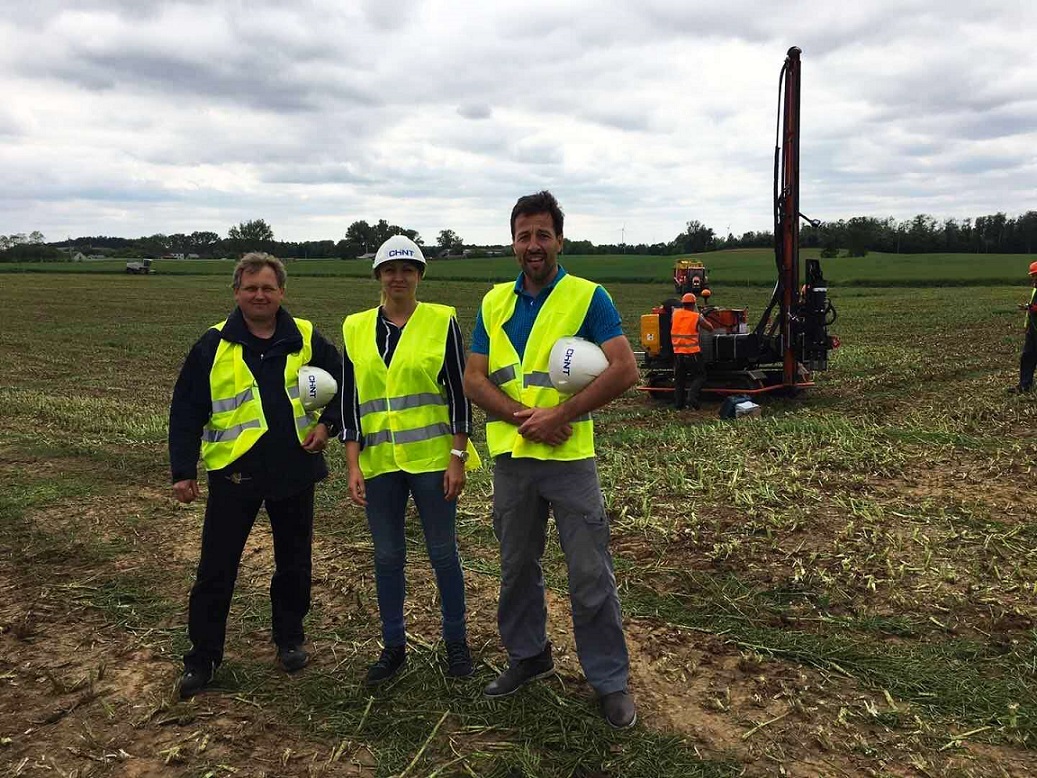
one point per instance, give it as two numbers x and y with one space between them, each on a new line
791 341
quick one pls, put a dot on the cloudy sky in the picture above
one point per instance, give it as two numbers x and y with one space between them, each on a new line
131 117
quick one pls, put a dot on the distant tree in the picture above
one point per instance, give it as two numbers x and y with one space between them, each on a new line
578 247
861 231
26 251
1027 232
204 242
449 240
360 239
414 235
154 245
310 249
255 235
828 239
696 238
179 243
36 237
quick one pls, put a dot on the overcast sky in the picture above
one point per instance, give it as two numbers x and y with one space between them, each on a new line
129 117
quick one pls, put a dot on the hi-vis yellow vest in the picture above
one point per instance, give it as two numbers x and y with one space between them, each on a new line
1030 311
237 420
404 415
529 382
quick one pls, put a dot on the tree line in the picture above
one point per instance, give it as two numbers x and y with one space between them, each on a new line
997 233
855 237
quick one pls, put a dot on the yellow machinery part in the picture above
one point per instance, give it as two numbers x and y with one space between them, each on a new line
651 341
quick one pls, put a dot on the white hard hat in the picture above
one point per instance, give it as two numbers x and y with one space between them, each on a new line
316 387
398 247
574 363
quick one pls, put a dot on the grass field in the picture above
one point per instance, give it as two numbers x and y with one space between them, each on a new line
741 267
845 586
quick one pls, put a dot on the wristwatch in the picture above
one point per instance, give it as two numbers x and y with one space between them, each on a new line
462 455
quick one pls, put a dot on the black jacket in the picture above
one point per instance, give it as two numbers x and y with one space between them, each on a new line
276 466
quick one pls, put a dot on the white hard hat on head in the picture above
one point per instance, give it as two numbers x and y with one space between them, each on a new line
316 387
399 247
574 363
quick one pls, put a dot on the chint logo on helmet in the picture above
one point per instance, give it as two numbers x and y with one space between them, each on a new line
567 362
312 388
400 253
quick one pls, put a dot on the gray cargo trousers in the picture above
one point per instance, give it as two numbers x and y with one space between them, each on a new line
523 492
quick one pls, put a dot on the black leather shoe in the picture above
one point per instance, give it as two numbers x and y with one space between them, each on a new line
619 709
194 680
292 658
388 665
458 659
1020 389
522 672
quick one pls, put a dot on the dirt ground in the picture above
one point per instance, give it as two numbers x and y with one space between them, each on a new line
81 696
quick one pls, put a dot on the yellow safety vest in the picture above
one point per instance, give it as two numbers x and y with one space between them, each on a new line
237 420
529 382
404 415
1029 311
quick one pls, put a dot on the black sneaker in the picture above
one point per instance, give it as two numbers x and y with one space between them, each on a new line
458 659
521 673
619 709
389 663
195 679
292 658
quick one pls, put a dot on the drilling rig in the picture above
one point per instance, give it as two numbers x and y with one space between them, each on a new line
791 341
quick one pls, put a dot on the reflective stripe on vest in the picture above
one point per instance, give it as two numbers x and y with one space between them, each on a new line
236 420
562 315
684 331
404 415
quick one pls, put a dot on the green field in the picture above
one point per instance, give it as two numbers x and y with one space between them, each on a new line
741 267
845 586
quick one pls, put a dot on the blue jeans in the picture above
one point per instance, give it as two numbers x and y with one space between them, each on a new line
386 509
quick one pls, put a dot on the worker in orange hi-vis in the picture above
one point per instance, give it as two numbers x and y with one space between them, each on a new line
685 324
1028 360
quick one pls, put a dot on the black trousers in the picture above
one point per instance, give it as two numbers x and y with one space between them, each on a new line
689 375
1028 360
229 515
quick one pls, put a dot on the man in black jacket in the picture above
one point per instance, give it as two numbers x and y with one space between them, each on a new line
237 403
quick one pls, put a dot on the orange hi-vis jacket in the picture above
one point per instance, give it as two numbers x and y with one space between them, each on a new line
684 331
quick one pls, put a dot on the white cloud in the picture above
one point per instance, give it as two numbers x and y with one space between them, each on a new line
133 118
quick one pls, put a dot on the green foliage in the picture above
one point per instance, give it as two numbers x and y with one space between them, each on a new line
449 240
254 235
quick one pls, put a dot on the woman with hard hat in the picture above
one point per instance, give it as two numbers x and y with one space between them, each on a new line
1028 359
406 424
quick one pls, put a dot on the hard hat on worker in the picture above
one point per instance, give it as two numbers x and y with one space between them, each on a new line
1033 268
316 387
688 298
574 363
399 247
